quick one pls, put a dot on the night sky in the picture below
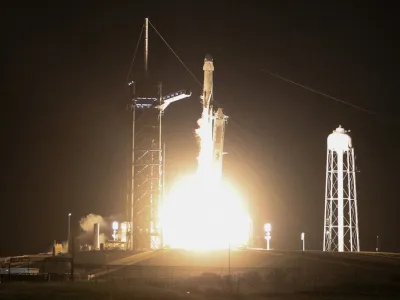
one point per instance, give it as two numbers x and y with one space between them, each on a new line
67 130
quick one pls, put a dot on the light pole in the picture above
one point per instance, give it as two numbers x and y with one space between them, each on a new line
303 238
267 229
69 231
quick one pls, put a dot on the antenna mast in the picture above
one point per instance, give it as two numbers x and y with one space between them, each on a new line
146 45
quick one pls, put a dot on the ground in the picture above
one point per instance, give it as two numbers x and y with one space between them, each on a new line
86 290
239 274
113 291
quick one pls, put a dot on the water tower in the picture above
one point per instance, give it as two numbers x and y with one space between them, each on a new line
341 217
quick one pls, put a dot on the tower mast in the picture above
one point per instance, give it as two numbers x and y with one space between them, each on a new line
146 45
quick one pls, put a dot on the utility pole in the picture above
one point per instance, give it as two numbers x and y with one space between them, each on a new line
69 233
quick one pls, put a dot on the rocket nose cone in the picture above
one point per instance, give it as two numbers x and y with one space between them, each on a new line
208 58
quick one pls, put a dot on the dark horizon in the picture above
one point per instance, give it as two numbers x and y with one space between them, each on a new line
68 132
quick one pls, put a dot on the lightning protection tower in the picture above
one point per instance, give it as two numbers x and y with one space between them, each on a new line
146 184
341 217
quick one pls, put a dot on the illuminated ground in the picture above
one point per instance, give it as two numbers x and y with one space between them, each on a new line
103 291
260 271
256 273
259 258
115 291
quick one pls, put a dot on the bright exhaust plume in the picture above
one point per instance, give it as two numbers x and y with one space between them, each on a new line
202 211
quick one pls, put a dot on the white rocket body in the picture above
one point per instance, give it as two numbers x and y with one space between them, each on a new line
208 69
212 123
218 141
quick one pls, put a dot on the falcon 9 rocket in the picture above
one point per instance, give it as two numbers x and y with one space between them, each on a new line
218 141
214 122
208 69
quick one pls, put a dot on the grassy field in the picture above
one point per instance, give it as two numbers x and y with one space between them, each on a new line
123 291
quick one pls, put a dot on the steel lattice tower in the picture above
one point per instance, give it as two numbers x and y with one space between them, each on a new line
147 175
146 184
341 217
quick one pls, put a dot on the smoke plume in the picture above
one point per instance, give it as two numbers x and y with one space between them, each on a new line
87 224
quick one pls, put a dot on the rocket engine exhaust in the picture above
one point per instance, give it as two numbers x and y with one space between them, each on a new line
203 211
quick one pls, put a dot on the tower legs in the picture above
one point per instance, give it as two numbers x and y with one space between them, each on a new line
341 216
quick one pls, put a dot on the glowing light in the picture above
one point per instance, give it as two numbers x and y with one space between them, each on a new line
124 230
202 211
339 140
267 227
115 225
198 216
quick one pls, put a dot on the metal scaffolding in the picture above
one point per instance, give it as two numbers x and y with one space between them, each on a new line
341 217
147 180
148 165
146 183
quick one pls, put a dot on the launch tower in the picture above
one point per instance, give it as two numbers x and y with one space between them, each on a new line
146 184
341 216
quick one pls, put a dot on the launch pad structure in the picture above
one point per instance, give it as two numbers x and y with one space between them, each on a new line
148 151
148 159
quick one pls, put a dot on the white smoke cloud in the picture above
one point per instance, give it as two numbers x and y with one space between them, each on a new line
87 225
88 222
